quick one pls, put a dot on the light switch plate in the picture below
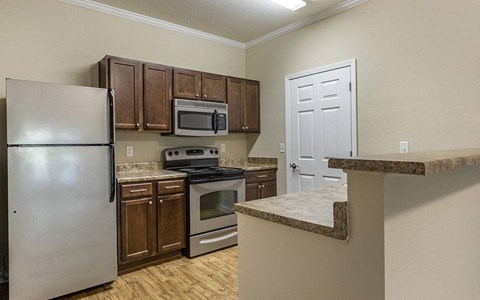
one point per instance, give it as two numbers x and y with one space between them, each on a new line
222 147
404 147
129 151
282 147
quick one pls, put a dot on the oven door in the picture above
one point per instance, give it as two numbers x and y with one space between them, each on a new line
200 121
211 204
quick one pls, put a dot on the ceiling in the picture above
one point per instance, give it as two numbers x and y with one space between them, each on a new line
239 20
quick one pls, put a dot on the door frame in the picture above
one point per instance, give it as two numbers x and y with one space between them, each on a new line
352 63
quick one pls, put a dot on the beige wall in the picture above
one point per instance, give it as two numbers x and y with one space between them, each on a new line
56 42
418 74
432 245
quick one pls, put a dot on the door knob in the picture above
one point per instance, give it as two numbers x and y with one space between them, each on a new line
294 166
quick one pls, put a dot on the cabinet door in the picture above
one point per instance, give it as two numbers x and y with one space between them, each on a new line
252 191
252 106
235 95
187 84
214 87
269 189
125 79
171 222
157 97
138 228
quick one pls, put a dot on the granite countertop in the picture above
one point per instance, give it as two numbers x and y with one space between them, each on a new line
148 171
413 163
250 164
322 211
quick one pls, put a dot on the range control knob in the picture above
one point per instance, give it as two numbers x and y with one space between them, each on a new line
176 152
211 151
170 153
216 151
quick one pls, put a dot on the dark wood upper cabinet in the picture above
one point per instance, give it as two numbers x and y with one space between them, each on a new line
137 228
171 222
124 77
236 90
187 84
252 106
157 97
243 98
214 87
144 93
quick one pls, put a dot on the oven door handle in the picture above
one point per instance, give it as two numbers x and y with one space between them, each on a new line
218 239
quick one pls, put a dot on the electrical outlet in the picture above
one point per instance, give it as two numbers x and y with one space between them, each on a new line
222 148
129 151
282 147
403 147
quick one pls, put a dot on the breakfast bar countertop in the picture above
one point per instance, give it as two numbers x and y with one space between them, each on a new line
322 211
413 163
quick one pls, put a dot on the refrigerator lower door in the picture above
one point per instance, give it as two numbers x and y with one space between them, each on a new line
46 113
62 226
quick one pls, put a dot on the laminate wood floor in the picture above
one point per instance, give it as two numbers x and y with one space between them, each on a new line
210 277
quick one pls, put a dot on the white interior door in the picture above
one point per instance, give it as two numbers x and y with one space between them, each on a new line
320 122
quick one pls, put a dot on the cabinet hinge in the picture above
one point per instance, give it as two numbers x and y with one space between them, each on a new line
350 86
351 153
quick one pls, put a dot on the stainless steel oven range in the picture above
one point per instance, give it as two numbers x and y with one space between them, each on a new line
212 192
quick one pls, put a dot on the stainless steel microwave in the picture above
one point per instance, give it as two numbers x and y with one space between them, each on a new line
200 118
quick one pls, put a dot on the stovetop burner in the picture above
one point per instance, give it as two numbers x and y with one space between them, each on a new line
201 166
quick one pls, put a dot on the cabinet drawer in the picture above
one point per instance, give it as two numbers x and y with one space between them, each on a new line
170 187
261 176
136 190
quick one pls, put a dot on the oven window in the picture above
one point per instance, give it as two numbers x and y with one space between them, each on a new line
217 204
195 120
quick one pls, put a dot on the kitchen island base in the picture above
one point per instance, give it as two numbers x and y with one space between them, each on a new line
410 237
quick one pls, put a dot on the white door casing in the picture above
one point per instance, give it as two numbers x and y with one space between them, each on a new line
320 123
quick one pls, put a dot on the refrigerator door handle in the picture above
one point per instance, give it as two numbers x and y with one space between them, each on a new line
112 182
111 104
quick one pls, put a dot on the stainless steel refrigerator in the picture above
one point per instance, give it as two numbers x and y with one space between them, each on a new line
61 189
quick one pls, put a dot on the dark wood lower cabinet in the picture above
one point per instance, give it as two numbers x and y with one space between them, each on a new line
260 184
252 191
138 226
269 189
152 225
171 222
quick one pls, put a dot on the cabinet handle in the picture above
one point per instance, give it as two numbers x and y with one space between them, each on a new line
172 187
138 191
161 201
148 124
246 128
196 95
137 125
263 186
262 176
150 202
259 186
243 127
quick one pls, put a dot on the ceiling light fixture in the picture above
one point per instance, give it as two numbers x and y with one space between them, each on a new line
292 5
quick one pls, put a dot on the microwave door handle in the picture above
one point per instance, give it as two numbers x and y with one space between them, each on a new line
215 121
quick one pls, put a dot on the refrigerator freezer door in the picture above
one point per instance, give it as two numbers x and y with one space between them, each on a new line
62 226
45 113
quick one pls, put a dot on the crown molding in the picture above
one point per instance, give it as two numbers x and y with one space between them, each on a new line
152 21
305 22
89 4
